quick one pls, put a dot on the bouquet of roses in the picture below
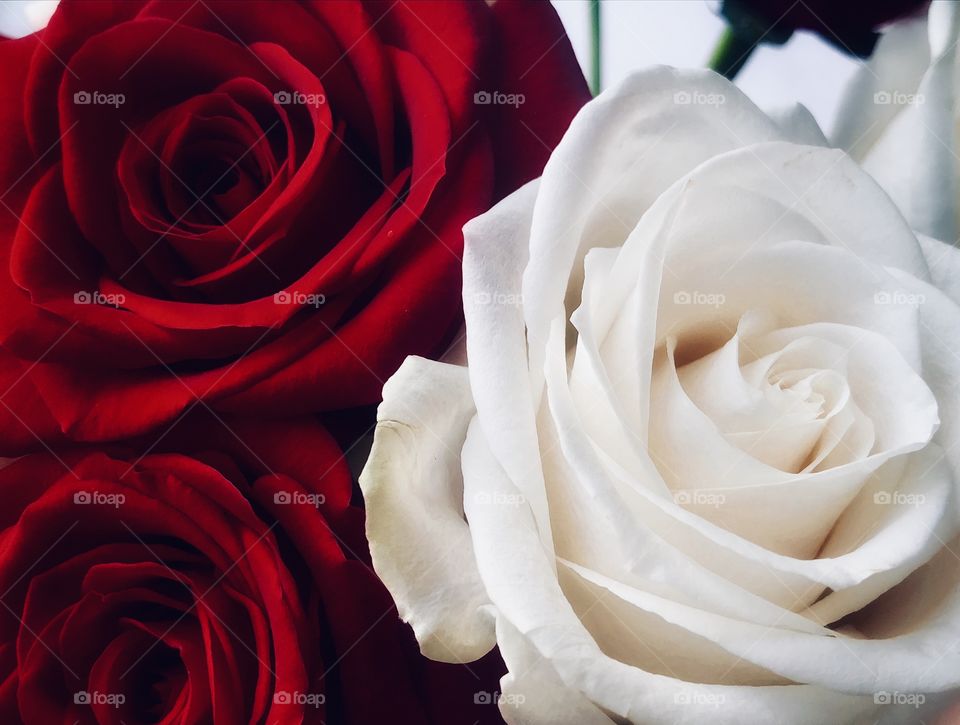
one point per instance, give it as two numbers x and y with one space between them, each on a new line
357 367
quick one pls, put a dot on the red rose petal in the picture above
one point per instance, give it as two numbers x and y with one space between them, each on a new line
534 59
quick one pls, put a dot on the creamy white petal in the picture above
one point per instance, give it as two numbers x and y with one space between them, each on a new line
699 234
798 124
495 252
939 320
788 581
896 66
944 262
640 628
924 659
899 118
419 543
764 194
786 513
703 478
523 587
794 283
602 522
532 691
655 126
792 583
607 378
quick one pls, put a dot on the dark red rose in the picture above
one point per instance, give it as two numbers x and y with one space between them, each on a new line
850 26
253 204
228 586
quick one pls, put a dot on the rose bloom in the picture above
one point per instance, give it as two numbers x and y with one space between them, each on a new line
227 586
257 204
702 464
899 115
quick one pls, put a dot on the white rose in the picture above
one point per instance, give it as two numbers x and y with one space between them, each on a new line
702 464
899 116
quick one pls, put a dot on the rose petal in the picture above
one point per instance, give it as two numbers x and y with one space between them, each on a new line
897 118
508 552
494 257
413 490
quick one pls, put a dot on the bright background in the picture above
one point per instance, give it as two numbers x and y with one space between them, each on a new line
639 33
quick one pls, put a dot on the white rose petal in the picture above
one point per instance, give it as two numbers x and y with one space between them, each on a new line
706 445
413 488
899 114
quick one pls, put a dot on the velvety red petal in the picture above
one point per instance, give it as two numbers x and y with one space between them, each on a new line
26 422
355 31
73 22
15 58
403 318
447 38
200 60
532 57
335 58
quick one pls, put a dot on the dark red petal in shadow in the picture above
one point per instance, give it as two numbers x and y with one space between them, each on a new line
531 57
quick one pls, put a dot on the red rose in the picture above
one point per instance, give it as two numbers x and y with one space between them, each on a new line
230 586
252 204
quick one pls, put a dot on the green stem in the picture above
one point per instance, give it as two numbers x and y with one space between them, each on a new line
731 53
595 36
